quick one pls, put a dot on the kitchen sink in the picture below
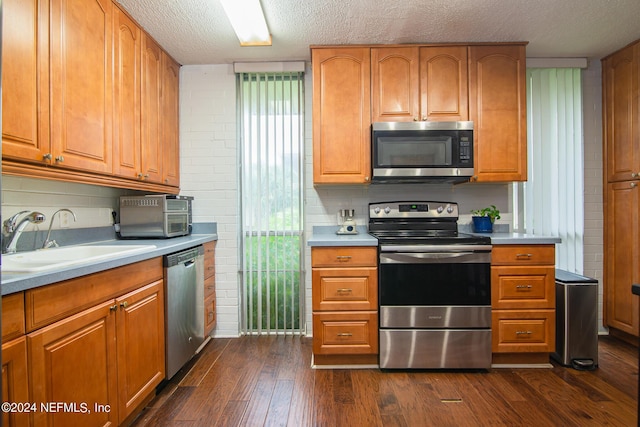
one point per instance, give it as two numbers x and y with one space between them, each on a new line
55 258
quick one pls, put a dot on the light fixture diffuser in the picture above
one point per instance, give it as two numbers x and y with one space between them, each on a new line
247 20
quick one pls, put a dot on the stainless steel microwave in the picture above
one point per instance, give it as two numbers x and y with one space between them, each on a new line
422 151
162 215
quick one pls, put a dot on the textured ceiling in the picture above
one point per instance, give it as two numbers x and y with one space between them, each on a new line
198 32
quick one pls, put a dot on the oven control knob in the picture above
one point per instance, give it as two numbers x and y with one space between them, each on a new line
387 210
376 210
450 209
440 209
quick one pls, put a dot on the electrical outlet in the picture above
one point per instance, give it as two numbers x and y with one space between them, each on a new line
65 219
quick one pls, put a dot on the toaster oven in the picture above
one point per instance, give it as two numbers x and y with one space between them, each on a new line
155 216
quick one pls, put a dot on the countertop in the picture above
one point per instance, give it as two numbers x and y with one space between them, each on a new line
326 236
12 283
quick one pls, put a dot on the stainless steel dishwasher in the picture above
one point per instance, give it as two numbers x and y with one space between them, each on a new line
184 302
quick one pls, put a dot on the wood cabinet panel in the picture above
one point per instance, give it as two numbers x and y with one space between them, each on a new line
170 122
346 256
523 287
141 346
444 92
13 316
345 332
621 104
47 304
151 110
15 380
209 259
523 255
25 98
81 84
210 315
518 331
622 250
395 83
342 115
74 360
127 44
497 106
345 289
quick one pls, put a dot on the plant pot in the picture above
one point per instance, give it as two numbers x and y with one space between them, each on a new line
482 224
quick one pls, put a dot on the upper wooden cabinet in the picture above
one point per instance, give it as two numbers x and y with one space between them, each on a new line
419 83
127 42
620 84
170 121
341 115
78 78
497 106
47 47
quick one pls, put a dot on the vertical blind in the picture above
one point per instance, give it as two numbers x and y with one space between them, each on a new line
271 115
554 195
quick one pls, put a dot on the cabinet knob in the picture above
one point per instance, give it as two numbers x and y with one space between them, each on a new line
415 119
124 304
634 175
113 307
59 159
366 179
634 185
47 156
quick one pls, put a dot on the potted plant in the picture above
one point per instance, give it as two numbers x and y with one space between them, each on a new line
483 219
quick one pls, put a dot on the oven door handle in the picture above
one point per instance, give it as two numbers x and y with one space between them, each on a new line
435 248
435 257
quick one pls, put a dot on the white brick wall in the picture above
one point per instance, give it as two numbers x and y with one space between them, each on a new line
593 203
208 171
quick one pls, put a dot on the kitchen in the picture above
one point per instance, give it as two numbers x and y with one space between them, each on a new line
215 187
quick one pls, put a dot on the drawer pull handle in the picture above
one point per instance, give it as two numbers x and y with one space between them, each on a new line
520 333
524 286
345 290
343 258
524 255
345 334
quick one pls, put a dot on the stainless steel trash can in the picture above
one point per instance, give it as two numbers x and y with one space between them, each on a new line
576 321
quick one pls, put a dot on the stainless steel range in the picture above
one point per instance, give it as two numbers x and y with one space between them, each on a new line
434 288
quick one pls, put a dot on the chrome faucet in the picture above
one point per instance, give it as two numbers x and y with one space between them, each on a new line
49 243
12 229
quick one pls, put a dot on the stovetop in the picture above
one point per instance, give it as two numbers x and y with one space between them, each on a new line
419 223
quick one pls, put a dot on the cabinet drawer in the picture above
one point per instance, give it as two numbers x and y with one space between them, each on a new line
48 304
12 316
345 333
523 287
519 331
209 259
348 256
209 286
345 289
523 255
210 314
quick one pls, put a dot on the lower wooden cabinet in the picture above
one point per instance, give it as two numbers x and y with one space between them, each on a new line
345 305
15 381
523 303
210 314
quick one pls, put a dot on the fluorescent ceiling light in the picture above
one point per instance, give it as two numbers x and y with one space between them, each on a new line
247 20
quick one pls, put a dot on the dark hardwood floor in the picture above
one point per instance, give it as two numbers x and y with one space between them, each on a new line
268 381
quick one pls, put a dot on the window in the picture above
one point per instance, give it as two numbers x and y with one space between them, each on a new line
551 202
271 113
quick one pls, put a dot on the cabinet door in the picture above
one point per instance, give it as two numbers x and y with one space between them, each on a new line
170 128
74 360
25 96
151 110
342 115
140 338
15 381
443 83
622 250
126 96
395 84
497 106
620 76
81 84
